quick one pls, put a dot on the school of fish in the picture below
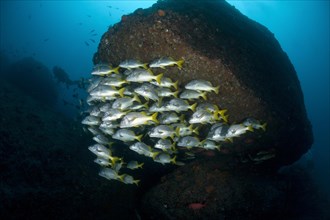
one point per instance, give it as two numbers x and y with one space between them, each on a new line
153 116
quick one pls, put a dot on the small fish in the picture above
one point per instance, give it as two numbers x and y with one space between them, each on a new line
235 130
87 44
165 158
92 40
218 132
113 114
254 123
165 145
141 75
189 142
109 174
100 151
101 139
106 91
179 105
192 94
184 130
126 135
102 162
46 39
262 156
166 82
125 102
166 92
156 107
94 34
105 107
166 61
170 118
134 165
104 69
147 91
201 85
162 131
133 64
128 179
210 145
143 149
136 119
107 130
92 31
113 81
94 130
93 83
109 124
91 120
203 117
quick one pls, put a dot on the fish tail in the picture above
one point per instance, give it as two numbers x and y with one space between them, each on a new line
150 71
175 94
136 182
179 64
136 98
121 177
116 70
173 160
218 147
193 107
175 84
181 119
159 77
177 131
250 128
203 95
196 130
225 118
154 117
216 89
145 65
216 116
140 165
121 92
222 112
139 137
230 140
154 155
263 126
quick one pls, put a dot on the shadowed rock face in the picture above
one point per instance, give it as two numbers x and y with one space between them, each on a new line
221 45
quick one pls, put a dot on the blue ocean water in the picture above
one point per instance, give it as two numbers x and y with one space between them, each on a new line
66 34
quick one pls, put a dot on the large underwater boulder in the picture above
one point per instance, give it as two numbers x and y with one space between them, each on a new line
219 44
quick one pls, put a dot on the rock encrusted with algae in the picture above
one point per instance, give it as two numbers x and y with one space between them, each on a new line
221 45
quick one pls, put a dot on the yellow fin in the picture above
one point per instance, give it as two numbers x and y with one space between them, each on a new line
179 63
145 65
175 84
193 107
249 128
263 126
196 130
115 70
136 98
175 94
173 160
225 118
140 165
121 92
136 182
154 117
159 77
216 89
139 137
203 95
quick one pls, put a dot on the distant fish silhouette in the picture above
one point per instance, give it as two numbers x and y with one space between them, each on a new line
89 16
80 23
92 40
109 14
94 34
87 44
109 6
92 31
46 39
